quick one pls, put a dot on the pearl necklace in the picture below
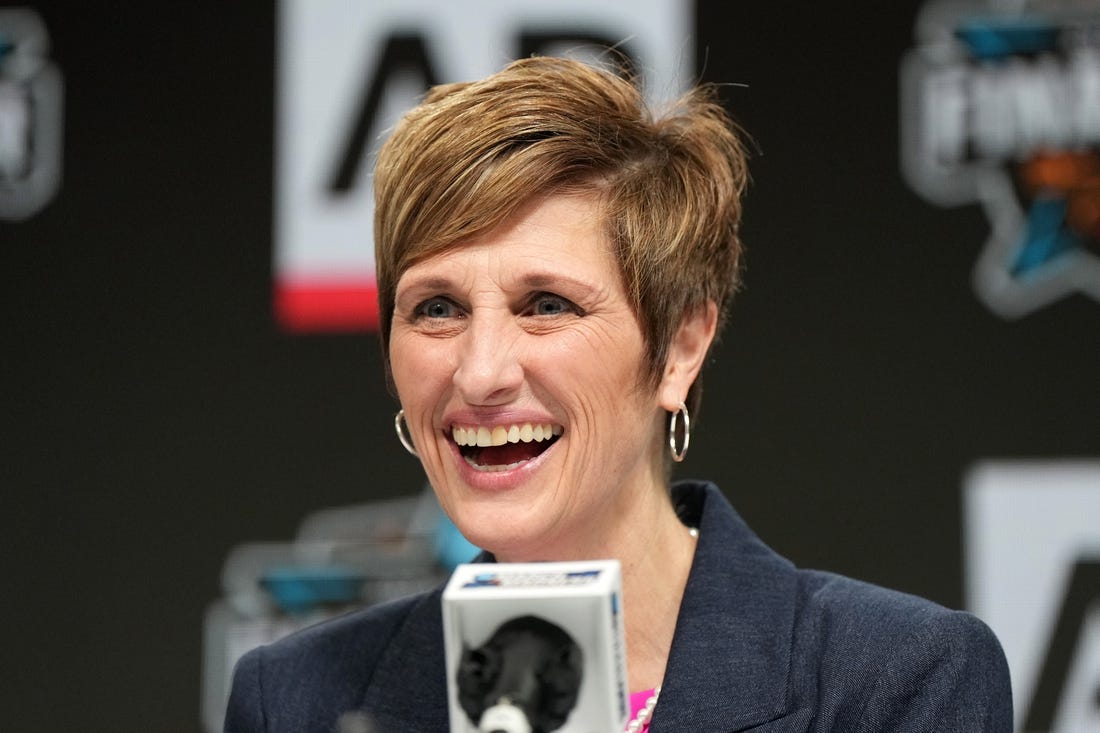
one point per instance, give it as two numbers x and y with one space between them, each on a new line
643 715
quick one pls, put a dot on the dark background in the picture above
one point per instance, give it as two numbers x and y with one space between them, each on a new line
153 415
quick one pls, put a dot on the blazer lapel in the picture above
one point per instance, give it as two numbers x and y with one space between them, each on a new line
731 652
408 692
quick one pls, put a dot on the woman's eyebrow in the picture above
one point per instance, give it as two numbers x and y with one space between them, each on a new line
425 282
550 280
538 280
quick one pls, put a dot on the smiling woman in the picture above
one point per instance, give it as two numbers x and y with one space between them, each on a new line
554 265
529 328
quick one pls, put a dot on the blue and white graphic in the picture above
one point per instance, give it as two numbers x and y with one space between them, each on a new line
1001 107
30 116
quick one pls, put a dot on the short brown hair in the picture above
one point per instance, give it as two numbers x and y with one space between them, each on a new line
472 153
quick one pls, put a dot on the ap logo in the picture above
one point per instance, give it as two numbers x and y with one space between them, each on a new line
348 70
1001 107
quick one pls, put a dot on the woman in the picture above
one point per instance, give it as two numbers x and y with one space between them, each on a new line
554 265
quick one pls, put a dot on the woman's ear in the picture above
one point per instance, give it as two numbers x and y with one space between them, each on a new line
686 354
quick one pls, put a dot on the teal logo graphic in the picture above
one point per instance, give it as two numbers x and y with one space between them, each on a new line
1001 108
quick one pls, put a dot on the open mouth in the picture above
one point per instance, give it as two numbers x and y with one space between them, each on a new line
504 447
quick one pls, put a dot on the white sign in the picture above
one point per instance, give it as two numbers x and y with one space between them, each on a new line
348 69
1033 574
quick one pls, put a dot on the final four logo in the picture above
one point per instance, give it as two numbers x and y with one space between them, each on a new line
1001 107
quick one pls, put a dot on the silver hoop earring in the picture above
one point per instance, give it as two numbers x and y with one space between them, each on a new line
678 455
406 440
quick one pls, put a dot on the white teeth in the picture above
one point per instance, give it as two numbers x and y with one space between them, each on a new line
499 435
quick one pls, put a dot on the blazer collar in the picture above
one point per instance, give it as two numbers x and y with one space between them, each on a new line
731 653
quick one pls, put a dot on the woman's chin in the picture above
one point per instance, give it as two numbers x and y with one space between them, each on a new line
505 509
508 529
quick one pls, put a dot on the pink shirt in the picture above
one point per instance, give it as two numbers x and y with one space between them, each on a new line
637 703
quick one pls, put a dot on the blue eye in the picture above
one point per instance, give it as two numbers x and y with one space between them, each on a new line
436 308
551 305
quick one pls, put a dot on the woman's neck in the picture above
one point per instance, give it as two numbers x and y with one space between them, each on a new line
654 578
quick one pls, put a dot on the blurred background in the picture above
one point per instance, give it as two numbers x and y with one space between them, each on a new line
907 392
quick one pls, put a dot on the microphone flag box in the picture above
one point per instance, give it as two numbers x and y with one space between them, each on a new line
536 647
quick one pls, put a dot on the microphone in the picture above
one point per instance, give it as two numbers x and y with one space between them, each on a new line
535 648
529 674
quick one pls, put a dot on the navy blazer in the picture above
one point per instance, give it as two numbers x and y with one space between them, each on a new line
759 646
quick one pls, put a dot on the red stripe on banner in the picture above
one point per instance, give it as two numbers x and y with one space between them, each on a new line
327 306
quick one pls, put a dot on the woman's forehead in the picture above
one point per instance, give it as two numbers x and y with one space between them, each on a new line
550 238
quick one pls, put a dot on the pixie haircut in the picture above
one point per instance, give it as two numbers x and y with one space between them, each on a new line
472 153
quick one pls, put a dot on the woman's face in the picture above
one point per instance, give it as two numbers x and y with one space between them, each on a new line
517 361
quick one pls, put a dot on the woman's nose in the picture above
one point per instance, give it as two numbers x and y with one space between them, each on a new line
489 370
